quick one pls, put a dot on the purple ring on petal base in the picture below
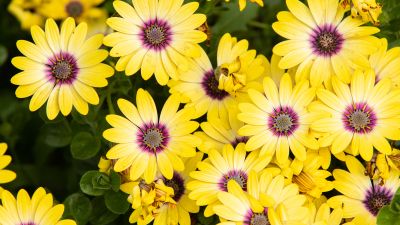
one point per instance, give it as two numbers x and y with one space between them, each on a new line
377 197
62 68
178 184
326 40
153 138
253 218
359 118
283 121
237 175
156 35
210 86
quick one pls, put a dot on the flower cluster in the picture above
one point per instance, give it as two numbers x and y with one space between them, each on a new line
251 140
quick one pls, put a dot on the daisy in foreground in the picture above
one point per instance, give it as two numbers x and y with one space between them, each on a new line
61 68
268 201
362 197
148 144
323 44
38 210
359 117
5 175
156 36
278 120
218 169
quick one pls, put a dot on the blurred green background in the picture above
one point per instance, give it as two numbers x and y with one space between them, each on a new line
55 154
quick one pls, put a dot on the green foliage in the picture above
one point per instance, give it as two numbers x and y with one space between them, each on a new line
390 214
84 146
116 202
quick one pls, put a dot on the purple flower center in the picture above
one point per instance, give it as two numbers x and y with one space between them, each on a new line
283 121
156 34
237 175
178 184
326 40
377 197
210 86
239 140
153 138
359 118
62 68
74 8
253 218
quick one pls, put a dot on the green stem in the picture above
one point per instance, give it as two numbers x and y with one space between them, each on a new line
109 102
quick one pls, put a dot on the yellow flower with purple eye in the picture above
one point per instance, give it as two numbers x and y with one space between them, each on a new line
322 44
156 36
62 68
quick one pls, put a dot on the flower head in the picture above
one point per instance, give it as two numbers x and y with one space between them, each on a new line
155 36
61 67
6 175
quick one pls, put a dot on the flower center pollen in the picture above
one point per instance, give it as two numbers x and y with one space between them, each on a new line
62 70
376 198
283 121
156 34
153 138
259 219
237 175
74 8
359 118
326 40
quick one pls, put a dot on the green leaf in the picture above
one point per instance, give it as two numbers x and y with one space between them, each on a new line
234 20
395 205
101 215
57 134
79 207
101 181
89 183
116 202
84 146
3 55
115 180
387 217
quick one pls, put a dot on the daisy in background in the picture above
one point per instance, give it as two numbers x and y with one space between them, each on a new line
6 176
147 143
267 201
362 197
38 210
216 90
218 169
359 117
61 67
277 120
81 10
217 132
386 63
156 36
26 11
321 42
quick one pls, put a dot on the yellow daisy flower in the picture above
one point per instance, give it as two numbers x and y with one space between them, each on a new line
359 117
156 36
323 44
179 213
269 201
311 179
217 132
385 163
62 68
26 11
5 175
215 91
324 215
38 210
147 143
362 197
80 10
367 10
386 63
277 120
218 169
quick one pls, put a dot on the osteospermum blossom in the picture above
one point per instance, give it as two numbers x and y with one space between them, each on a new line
217 132
268 201
216 90
386 62
38 210
26 11
218 169
5 175
362 197
147 143
61 67
156 36
359 117
321 42
278 120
